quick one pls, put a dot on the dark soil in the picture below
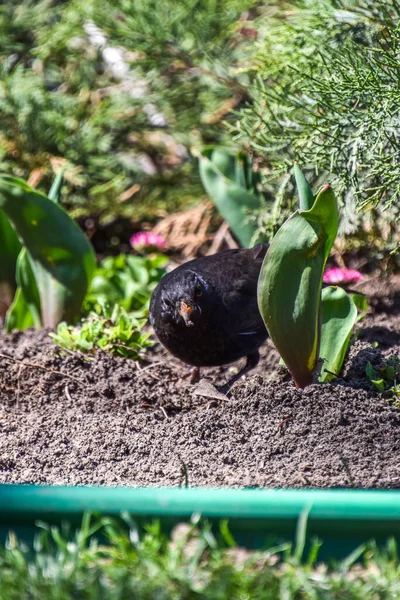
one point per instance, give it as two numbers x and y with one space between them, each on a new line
109 421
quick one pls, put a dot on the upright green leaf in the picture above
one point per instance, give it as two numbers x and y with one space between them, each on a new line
10 247
306 196
226 179
18 315
61 256
55 190
339 315
25 310
289 288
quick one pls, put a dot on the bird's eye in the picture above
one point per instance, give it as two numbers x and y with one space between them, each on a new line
198 291
168 302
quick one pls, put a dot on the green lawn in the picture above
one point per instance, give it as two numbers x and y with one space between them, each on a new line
190 564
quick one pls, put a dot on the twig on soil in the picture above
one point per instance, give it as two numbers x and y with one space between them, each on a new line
69 397
153 376
164 412
75 353
346 468
284 421
184 473
37 366
19 383
142 370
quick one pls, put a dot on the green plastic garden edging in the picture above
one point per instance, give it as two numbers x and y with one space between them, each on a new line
341 518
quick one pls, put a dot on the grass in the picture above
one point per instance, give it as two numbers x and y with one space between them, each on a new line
192 563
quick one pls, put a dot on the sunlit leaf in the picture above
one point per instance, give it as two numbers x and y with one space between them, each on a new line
339 315
306 196
61 256
289 289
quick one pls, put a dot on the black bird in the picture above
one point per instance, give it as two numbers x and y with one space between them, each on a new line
205 311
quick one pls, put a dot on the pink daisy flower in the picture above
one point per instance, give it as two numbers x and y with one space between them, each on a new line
341 276
148 241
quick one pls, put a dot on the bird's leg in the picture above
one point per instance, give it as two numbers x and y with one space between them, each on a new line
193 375
252 361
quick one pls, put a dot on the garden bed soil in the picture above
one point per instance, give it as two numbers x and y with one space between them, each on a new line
65 419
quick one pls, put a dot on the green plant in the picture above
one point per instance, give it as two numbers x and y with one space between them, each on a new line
123 129
10 249
56 262
125 280
325 93
234 187
304 324
387 378
117 332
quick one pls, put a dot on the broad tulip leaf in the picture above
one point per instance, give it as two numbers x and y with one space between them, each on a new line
25 310
289 287
339 315
228 181
27 279
10 247
61 256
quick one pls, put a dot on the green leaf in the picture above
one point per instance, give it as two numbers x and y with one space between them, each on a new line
55 190
27 301
117 331
18 315
27 283
360 300
10 247
289 287
226 179
370 371
339 315
306 196
61 256
378 384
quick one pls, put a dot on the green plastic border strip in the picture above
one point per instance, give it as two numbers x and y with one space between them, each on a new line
342 518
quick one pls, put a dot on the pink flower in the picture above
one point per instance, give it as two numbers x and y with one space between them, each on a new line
147 240
341 276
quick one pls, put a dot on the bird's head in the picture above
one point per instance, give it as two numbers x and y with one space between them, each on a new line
185 298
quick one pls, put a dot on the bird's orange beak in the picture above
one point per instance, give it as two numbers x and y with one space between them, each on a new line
185 311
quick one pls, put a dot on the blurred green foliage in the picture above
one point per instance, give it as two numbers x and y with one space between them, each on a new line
126 280
118 92
326 94
120 106
109 560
